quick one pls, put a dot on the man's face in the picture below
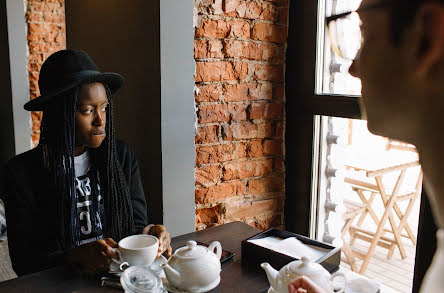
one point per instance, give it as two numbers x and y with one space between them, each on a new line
382 74
90 116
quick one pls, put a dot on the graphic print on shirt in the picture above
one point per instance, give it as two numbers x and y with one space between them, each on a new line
90 228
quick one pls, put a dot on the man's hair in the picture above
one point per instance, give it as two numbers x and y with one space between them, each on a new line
58 144
402 16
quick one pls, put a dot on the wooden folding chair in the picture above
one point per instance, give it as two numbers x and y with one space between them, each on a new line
391 203
353 209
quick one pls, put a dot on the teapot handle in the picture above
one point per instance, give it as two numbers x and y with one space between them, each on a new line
339 274
213 245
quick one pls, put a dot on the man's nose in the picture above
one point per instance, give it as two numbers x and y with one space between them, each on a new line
354 68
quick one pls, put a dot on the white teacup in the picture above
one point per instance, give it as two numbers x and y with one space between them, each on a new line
137 250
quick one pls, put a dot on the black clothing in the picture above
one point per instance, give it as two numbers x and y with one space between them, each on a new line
31 213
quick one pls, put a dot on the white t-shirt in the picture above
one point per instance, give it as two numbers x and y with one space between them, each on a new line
90 220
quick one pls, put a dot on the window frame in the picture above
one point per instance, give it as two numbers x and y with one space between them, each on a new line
302 104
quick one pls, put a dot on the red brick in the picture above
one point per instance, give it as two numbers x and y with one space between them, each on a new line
54 18
269 32
206 134
269 72
219 153
217 193
209 215
279 132
207 93
269 12
250 10
267 221
250 209
36 115
220 29
246 169
283 15
268 111
247 91
262 148
33 67
36 28
250 50
33 76
45 47
278 1
207 49
33 86
265 185
279 91
34 95
36 125
272 147
246 130
35 7
55 8
35 58
220 71
35 137
34 17
209 7
255 149
213 113
238 112
207 175
279 165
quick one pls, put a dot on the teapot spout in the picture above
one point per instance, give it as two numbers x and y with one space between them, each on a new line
172 275
272 274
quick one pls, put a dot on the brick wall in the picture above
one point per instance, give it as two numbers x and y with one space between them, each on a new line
239 50
46 35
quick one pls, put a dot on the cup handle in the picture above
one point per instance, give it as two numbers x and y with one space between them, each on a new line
117 261
213 245
339 274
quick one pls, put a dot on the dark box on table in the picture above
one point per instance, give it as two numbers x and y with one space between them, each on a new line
255 254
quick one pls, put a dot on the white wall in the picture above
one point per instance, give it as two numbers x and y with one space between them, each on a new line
18 57
178 114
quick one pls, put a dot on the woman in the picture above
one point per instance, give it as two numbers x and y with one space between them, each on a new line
79 191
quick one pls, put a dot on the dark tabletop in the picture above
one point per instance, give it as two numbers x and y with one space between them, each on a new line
235 277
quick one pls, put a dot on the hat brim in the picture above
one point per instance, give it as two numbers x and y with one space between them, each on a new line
114 81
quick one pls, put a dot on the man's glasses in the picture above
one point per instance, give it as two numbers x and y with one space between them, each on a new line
344 31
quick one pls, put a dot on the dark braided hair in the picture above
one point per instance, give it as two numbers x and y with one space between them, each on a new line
58 143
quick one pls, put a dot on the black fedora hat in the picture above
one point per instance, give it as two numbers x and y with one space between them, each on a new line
65 70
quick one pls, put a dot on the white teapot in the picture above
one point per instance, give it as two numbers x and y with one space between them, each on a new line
279 280
194 268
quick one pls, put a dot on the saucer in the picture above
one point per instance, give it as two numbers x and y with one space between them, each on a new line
114 268
172 289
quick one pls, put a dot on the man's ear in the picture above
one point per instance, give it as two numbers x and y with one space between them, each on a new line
427 42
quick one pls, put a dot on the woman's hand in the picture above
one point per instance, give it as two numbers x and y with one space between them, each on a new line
304 285
164 237
94 256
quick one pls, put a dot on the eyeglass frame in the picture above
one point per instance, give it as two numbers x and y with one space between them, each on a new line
380 4
329 19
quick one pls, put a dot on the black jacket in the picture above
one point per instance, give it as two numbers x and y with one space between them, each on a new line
31 208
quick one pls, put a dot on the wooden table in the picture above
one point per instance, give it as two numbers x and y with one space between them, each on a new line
375 170
235 276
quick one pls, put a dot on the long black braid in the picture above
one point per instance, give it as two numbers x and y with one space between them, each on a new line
58 143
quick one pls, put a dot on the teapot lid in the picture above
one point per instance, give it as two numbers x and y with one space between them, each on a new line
192 250
306 267
140 279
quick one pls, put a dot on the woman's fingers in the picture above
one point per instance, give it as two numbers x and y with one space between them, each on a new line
163 235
